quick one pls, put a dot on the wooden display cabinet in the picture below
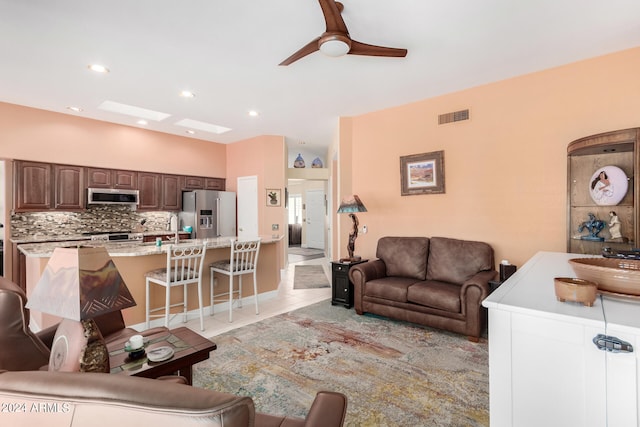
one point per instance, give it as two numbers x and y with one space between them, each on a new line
585 157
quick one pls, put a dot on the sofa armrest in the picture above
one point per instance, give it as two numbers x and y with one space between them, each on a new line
360 274
481 280
328 410
472 293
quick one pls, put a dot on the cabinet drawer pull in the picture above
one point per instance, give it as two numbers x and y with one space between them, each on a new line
612 344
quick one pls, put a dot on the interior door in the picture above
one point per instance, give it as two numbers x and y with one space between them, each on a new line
247 206
315 219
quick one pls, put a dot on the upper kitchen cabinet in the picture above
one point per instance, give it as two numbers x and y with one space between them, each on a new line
603 192
68 187
193 183
45 186
99 178
203 183
127 180
32 186
171 193
214 184
150 188
110 178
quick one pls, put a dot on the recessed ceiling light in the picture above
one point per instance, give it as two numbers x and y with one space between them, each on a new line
98 68
74 109
206 127
253 113
191 132
142 122
187 94
130 110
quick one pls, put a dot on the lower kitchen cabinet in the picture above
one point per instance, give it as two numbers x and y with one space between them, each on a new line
341 286
545 364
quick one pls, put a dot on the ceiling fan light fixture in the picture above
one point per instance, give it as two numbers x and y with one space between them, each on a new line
335 45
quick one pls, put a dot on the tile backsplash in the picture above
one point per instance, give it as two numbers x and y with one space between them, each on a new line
95 218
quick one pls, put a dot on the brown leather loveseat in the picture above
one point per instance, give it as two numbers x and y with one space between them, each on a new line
437 282
79 399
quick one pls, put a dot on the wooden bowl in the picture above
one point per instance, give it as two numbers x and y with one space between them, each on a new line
578 290
610 274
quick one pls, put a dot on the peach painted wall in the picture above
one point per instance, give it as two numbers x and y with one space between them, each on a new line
264 156
505 168
39 135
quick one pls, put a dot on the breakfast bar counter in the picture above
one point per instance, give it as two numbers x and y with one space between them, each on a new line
134 259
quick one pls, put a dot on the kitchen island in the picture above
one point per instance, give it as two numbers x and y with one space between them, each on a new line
134 259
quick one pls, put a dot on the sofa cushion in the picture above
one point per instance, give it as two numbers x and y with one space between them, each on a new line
455 261
404 256
389 288
430 293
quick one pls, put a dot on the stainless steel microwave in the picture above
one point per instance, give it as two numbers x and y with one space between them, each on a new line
112 196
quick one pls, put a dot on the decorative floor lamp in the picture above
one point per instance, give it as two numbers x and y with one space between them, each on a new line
78 284
350 205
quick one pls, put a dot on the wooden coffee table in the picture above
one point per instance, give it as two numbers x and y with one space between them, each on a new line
189 348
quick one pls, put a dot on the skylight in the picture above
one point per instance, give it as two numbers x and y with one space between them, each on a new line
206 127
130 110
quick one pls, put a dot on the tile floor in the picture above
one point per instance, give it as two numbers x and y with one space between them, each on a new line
287 299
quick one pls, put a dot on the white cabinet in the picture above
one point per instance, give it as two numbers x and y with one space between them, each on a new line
544 368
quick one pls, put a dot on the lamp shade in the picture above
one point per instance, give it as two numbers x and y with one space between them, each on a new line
80 283
351 204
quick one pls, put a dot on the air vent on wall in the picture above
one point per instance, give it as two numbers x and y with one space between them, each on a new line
456 116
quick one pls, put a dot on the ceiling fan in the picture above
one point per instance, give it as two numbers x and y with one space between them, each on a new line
335 41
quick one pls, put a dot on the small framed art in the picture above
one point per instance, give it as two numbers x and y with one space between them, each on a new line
422 173
274 196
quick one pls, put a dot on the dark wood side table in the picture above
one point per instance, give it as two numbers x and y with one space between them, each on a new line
342 288
189 348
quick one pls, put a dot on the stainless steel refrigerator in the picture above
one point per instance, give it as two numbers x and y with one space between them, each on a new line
210 213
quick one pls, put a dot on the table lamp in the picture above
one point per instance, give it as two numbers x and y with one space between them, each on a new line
78 284
351 204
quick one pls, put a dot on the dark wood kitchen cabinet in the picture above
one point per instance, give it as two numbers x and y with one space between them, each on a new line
127 180
32 186
150 188
68 187
111 178
45 186
193 183
214 184
171 193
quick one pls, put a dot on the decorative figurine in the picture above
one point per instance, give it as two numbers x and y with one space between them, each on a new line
614 226
299 162
317 163
593 226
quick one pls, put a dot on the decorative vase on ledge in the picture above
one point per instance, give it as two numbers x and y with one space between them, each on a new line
299 162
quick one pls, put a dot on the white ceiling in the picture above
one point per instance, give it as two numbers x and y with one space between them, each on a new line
228 52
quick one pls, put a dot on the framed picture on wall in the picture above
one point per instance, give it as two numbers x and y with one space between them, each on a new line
274 196
422 173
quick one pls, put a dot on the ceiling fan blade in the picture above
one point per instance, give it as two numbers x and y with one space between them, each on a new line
332 16
310 47
358 48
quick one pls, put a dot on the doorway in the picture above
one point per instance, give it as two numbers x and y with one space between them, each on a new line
307 213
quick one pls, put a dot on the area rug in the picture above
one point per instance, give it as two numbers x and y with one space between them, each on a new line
297 254
309 277
393 373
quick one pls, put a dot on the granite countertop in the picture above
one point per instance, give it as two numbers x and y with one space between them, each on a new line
42 238
129 248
